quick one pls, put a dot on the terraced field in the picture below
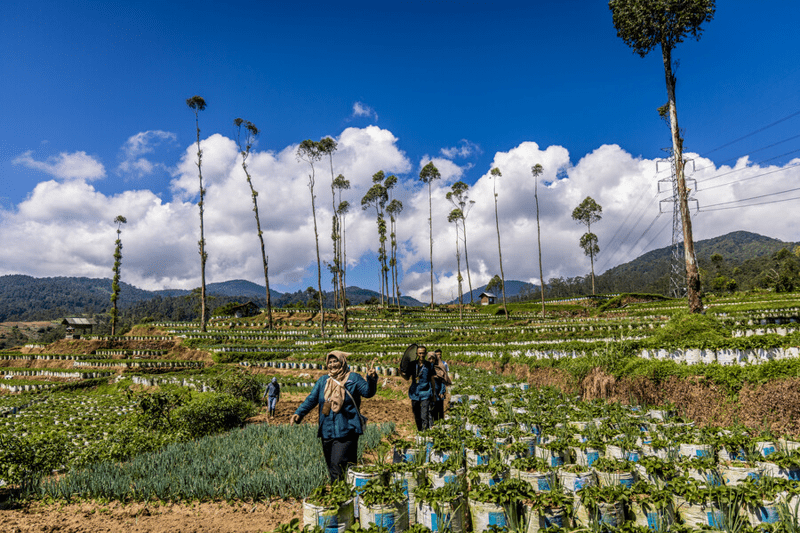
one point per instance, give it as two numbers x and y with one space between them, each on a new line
634 383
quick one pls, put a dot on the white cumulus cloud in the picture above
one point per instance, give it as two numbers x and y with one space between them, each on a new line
76 165
65 226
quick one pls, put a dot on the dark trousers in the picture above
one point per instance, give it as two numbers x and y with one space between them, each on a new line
438 410
339 454
423 413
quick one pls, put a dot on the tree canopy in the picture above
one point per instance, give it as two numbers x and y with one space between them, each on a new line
645 24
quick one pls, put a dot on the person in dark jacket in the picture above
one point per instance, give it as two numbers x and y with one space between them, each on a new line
338 395
440 382
273 394
421 389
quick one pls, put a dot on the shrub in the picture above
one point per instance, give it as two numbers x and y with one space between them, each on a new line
210 413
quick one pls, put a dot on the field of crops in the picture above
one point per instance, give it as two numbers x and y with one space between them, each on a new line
633 417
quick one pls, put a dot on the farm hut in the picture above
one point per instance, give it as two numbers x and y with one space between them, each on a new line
487 298
78 326
245 310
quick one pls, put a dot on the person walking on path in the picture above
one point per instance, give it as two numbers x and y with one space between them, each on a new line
441 380
338 395
273 394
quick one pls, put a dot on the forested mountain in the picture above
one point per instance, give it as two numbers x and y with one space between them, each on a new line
747 259
736 261
28 298
25 298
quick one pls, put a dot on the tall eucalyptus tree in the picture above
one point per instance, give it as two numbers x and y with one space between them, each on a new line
115 289
429 174
645 25
455 216
197 104
250 134
459 197
377 197
537 170
310 152
495 174
341 184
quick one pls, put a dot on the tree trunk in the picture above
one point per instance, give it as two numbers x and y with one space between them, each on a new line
319 264
692 273
460 291
466 259
334 236
202 243
430 227
499 249
539 238
343 273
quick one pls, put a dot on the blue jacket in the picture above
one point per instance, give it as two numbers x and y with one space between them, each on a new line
274 390
421 388
346 421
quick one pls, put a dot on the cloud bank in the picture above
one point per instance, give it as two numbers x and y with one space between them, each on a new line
65 225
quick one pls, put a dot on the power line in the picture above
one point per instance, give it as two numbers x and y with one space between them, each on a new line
754 198
753 152
752 205
759 130
745 168
751 177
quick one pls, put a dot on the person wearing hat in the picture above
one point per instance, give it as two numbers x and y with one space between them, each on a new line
273 394
338 395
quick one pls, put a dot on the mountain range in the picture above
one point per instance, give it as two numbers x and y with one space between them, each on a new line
744 255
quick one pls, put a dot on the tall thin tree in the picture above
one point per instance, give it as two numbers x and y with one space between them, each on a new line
394 209
341 183
587 213
309 151
645 25
391 209
197 104
537 170
115 288
377 197
250 134
429 174
459 197
454 218
495 173
327 147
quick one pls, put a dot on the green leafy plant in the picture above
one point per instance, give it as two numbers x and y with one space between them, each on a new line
331 496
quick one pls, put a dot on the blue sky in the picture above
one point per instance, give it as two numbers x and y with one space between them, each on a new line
94 124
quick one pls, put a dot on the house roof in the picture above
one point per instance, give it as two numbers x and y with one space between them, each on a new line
487 294
78 322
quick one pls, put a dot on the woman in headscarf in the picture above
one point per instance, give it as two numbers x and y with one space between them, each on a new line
338 395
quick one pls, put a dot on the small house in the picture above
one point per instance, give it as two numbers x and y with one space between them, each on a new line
245 310
78 326
487 298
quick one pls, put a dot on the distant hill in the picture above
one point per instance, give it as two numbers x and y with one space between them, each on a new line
745 257
25 298
28 298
